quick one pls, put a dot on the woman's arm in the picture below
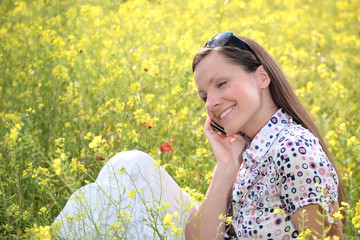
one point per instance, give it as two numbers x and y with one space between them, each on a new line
205 223
314 218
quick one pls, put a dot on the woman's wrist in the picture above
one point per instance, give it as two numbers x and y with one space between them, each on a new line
228 169
224 176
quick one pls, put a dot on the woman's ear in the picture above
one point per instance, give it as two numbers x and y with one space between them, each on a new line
262 76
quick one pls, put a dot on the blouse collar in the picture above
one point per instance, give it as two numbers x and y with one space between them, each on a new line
264 139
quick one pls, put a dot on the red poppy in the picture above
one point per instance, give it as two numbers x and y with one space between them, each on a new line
166 147
148 125
100 158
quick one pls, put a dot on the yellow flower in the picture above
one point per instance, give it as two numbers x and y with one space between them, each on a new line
347 175
163 206
208 177
61 72
75 166
201 152
56 226
96 142
123 214
25 214
304 235
352 141
338 215
57 166
131 193
78 197
135 86
14 132
39 232
42 210
225 219
168 220
180 172
309 86
342 127
88 136
14 209
356 219
133 136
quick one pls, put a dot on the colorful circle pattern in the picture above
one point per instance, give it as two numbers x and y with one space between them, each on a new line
286 169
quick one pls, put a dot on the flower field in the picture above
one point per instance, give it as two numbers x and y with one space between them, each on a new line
83 80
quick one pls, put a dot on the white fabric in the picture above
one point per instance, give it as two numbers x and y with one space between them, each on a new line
94 210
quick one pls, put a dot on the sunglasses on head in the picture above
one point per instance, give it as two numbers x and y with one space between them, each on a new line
226 39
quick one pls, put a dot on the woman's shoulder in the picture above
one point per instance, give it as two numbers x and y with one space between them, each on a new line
296 136
296 143
295 131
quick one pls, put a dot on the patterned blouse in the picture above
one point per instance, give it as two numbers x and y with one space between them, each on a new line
285 169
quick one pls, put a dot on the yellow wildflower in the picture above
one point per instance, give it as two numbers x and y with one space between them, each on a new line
131 193
352 141
356 219
14 132
39 232
168 220
96 142
123 214
42 210
338 215
304 235
56 164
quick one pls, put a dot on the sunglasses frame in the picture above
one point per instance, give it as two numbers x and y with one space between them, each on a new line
225 39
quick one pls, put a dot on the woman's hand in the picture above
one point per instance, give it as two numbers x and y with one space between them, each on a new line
227 149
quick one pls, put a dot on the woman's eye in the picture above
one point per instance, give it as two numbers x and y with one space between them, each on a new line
221 83
204 99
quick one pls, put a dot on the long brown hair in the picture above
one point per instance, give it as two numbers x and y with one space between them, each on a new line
280 89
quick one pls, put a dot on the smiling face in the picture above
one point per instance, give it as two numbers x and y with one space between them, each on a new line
237 100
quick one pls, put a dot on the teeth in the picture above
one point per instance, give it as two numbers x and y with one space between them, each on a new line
226 112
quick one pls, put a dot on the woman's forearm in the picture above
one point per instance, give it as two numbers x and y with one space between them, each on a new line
205 223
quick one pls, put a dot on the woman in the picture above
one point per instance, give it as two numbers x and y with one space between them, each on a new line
273 172
270 171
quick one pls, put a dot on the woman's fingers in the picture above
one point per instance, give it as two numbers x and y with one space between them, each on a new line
238 143
210 130
226 148
207 126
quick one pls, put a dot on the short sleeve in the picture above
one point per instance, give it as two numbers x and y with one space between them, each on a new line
304 173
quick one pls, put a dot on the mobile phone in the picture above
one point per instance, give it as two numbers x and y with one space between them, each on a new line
218 127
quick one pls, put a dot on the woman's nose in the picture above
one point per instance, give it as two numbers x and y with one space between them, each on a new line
212 102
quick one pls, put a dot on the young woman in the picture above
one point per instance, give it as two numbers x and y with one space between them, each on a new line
274 175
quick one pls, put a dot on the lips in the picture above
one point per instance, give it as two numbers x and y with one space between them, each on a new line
225 113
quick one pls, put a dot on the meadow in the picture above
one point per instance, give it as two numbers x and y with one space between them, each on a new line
83 80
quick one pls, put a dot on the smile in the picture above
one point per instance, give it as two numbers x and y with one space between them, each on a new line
226 112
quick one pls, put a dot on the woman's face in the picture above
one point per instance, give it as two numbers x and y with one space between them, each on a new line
233 98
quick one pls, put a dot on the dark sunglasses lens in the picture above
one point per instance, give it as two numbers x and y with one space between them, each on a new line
219 40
